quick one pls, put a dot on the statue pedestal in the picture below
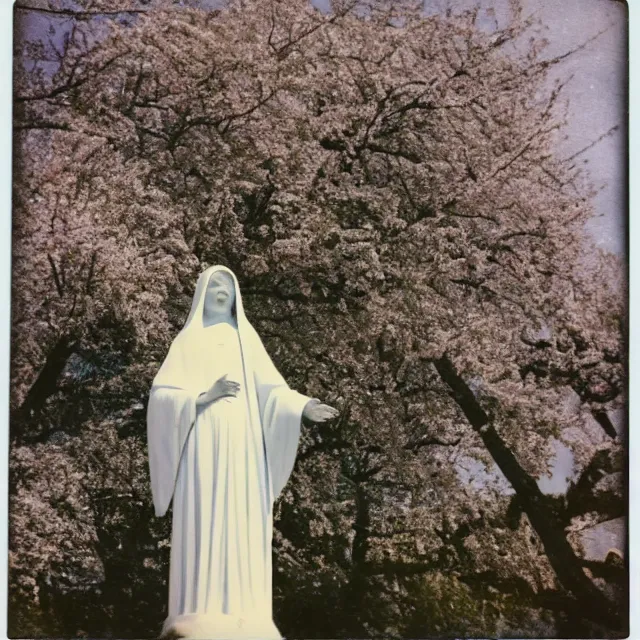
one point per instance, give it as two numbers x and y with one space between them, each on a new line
198 626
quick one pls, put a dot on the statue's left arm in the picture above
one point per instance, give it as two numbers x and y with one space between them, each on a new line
281 412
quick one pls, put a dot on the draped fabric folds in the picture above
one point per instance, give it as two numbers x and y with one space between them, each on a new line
223 465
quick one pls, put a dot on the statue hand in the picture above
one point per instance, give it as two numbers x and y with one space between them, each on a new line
220 389
224 388
318 412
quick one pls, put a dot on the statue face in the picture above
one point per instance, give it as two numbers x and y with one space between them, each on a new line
220 295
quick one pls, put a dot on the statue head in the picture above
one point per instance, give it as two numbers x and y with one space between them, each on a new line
220 298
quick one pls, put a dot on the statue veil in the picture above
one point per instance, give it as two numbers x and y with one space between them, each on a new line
172 408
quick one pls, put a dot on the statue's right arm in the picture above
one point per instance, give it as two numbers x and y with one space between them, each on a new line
204 398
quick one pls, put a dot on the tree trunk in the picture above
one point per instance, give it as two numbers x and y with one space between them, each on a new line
357 584
543 519
44 386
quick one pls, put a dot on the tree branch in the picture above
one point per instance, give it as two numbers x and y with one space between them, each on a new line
42 125
56 277
427 441
543 519
77 14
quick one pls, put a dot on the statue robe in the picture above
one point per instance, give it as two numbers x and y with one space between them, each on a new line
223 464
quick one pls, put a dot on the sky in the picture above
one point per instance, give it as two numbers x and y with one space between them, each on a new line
596 92
597 102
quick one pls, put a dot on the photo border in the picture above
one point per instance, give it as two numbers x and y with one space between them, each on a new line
633 239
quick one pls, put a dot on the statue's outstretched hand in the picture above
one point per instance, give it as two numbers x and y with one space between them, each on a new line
221 388
316 411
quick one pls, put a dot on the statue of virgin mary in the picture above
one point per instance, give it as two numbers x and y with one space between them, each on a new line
223 430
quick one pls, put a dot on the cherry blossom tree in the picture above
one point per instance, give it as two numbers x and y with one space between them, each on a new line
409 247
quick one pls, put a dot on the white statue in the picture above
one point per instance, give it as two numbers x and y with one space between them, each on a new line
223 429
